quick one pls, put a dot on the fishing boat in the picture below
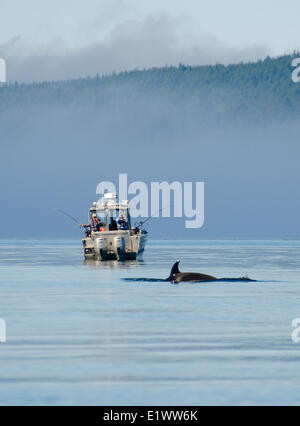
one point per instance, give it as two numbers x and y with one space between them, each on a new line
109 234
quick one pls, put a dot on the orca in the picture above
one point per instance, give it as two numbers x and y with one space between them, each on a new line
177 277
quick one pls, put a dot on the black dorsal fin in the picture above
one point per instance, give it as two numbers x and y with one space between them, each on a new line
175 269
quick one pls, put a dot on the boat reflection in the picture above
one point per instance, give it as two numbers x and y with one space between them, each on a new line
114 264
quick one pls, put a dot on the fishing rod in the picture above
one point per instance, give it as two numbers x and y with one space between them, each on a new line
68 215
142 223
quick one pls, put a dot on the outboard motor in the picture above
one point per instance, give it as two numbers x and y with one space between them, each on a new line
101 247
120 247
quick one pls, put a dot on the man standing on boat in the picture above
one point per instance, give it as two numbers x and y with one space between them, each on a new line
94 225
122 222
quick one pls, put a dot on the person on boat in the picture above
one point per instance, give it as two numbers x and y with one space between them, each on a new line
94 225
87 228
113 225
122 222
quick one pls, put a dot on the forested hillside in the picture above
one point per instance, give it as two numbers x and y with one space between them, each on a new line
259 91
234 127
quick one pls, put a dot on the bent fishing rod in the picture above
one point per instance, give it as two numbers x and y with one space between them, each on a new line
142 223
68 215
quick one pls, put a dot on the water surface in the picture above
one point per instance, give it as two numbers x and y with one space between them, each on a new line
77 333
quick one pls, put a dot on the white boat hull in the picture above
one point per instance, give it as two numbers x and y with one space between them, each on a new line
114 245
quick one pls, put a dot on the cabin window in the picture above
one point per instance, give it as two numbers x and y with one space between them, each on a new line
102 217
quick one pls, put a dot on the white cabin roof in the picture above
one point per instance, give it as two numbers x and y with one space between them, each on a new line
109 204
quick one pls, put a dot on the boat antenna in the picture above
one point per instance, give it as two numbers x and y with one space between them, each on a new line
68 215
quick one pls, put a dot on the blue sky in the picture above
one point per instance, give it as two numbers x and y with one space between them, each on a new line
131 33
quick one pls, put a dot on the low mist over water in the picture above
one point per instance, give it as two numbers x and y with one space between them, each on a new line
59 140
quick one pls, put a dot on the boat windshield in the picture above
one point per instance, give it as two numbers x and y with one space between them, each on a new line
113 219
102 217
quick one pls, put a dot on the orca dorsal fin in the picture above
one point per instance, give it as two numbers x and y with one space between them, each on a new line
175 269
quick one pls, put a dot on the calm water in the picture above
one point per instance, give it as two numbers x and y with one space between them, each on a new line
78 334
